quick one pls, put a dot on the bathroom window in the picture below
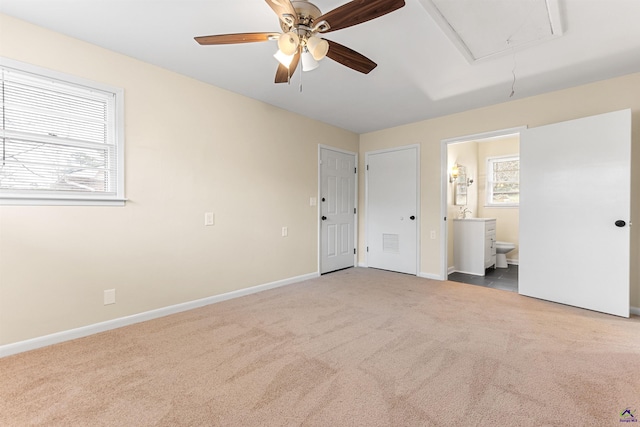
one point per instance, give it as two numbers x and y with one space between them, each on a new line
503 181
61 138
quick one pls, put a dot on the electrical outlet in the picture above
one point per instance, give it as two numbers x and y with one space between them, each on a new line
209 218
433 234
109 296
285 231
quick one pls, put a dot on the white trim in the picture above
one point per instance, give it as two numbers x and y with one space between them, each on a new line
57 75
450 270
363 265
488 193
21 198
319 202
429 276
83 331
513 261
444 233
503 206
418 210
444 181
496 134
418 197
44 201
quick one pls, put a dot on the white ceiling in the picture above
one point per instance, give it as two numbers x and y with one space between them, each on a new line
481 29
421 73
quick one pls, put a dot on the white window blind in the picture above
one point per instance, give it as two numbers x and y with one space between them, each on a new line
58 139
503 181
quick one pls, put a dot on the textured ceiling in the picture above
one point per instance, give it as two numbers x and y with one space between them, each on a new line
421 72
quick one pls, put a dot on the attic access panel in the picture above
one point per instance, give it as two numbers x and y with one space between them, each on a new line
484 28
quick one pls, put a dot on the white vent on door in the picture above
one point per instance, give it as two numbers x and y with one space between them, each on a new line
391 243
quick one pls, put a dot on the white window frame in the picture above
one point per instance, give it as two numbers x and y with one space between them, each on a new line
116 196
489 182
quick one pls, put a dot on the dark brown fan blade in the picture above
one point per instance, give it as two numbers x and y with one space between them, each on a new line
350 58
285 11
236 38
357 12
282 74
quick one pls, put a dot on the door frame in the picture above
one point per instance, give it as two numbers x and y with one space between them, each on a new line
319 206
418 199
444 183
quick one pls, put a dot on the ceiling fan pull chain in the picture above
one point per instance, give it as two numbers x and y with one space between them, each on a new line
301 79
300 69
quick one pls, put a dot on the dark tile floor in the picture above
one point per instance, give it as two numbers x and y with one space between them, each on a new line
500 278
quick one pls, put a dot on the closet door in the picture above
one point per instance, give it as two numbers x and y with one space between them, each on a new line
392 209
575 212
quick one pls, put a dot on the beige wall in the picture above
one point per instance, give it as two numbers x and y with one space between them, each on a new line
507 218
581 101
190 148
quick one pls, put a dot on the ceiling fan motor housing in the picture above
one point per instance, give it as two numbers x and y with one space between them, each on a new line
307 13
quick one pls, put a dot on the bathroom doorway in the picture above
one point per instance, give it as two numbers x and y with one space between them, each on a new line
482 209
505 279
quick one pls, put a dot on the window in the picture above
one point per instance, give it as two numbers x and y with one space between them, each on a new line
61 138
503 181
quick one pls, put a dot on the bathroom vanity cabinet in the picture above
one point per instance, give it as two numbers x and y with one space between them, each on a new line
474 248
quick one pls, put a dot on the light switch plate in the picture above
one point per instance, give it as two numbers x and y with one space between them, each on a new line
313 201
209 218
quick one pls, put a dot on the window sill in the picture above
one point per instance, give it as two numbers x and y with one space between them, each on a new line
506 205
67 201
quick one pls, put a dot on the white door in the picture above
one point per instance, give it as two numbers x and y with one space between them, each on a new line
392 210
337 210
575 211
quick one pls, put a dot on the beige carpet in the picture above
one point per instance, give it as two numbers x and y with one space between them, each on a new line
359 347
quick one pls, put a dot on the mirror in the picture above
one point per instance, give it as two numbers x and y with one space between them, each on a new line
460 189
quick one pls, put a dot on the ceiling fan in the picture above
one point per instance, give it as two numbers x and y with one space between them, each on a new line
302 23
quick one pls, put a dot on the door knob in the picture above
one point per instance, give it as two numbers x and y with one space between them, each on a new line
620 223
412 217
323 217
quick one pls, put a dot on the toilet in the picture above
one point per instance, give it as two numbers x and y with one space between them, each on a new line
502 248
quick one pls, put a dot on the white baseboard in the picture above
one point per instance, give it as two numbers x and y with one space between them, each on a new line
430 276
512 261
451 270
58 337
363 265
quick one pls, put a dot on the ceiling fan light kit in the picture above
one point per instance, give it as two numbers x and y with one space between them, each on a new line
317 47
302 22
288 43
309 63
283 58
313 49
